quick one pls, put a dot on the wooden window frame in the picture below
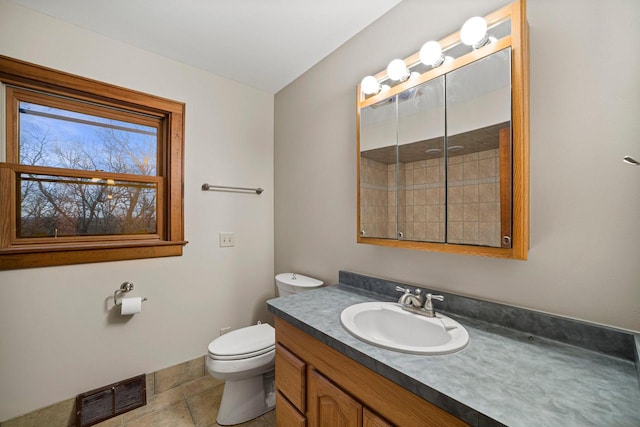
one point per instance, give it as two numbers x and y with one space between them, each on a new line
168 241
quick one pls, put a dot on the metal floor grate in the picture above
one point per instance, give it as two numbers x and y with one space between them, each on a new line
106 402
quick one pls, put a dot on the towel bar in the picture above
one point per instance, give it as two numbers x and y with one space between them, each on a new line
207 187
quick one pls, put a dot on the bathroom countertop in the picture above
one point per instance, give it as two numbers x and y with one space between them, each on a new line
503 376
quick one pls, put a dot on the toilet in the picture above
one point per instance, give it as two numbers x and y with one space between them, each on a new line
292 283
245 359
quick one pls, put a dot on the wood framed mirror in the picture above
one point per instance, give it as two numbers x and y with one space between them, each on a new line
443 154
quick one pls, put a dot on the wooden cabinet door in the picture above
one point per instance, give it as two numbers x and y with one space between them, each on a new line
330 406
373 420
290 377
286 414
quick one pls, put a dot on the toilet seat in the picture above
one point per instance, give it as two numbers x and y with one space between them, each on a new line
243 355
243 343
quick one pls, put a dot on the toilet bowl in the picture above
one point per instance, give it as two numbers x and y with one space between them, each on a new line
293 283
245 359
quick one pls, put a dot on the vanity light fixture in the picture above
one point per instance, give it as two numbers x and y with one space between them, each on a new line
431 54
398 70
370 86
474 32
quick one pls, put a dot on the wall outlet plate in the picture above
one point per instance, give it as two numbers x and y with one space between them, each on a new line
227 239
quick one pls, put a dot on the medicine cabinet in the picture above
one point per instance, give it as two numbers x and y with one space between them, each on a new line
443 151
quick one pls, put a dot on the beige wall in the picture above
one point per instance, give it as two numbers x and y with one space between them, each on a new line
57 336
584 260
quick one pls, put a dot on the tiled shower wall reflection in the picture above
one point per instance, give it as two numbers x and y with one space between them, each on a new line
422 193
473 199
375 194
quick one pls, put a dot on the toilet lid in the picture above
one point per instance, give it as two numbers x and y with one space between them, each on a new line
244 342
292 280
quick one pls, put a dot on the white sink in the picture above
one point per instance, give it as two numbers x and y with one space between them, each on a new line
387 325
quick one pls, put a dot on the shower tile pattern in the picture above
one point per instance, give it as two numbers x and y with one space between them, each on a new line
416 206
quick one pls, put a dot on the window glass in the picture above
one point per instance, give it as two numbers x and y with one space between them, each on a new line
60 138
55 206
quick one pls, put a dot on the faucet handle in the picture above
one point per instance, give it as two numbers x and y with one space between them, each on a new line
428 306
405 296
438 297
409 298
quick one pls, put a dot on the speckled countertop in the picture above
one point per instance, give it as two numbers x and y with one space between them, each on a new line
503 376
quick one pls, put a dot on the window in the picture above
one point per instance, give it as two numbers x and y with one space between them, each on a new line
90 172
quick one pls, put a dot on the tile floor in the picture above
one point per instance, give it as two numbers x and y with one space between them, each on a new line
183 395
193 404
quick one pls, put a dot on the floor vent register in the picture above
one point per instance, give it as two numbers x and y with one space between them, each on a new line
109 401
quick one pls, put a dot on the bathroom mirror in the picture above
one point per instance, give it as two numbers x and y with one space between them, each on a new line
378 170
478 181
443 156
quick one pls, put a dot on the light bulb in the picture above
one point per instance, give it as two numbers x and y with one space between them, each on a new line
431 54
397 70
474 32
370 85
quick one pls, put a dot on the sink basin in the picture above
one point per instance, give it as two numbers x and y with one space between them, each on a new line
387 325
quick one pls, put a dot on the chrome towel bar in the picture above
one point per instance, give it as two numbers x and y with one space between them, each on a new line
207 187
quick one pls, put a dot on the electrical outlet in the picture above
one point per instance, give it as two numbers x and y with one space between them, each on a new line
225 330
227 239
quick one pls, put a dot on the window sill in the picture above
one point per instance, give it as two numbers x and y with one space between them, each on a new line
82 253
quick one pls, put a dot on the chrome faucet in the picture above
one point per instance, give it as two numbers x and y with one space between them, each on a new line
416 303
428 304
408 299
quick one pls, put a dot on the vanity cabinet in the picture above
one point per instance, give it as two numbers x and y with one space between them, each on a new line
319 386
329 405
369 419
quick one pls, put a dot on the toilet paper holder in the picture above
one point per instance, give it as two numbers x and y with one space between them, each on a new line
124 288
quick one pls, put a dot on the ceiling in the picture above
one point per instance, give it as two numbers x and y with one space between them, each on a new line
262 43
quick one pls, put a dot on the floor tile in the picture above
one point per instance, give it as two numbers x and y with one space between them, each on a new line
266 420
200 385
61 414
174 376
269 419
157 403
176 415
204 406
112 422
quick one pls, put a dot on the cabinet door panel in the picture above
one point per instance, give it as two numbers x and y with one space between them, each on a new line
290 377
286 414
329 405
421 162
373 420
378 170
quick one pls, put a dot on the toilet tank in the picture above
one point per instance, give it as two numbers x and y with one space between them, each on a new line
293 283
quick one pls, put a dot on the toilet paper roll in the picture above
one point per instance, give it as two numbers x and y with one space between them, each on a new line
131 305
